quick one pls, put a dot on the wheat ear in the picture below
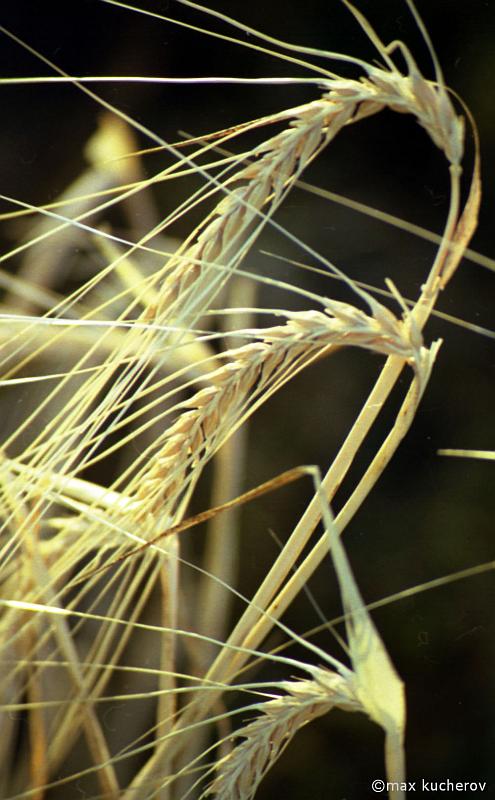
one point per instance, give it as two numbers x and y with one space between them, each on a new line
265 738
214 412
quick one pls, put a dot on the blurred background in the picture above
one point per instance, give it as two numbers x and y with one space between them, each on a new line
429 516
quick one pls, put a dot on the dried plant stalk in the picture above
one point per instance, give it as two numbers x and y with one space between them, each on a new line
127 382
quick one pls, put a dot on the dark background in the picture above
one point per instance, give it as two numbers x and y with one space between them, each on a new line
428 516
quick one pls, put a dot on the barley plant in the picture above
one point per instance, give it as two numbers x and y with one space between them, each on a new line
229 238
